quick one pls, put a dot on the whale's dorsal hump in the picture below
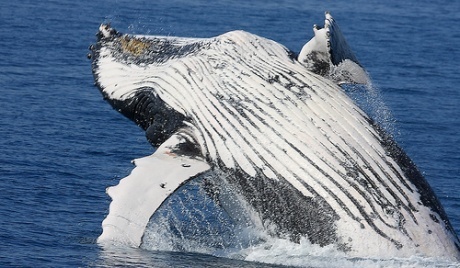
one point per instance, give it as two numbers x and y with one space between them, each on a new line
329 55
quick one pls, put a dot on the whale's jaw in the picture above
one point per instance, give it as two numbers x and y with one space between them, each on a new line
295 147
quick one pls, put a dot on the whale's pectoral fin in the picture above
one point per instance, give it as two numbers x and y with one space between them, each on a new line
138 196
329 55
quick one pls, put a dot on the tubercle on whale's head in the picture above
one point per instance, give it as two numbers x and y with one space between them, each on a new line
106 31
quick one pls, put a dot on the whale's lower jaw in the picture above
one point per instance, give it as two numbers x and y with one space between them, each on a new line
292 143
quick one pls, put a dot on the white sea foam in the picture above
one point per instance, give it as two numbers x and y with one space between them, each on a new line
305 254
256 245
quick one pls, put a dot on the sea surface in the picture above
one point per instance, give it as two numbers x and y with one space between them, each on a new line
61 144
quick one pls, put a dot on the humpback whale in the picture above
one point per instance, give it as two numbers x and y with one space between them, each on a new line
245 112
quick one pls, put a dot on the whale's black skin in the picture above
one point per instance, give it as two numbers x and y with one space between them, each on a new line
150 113
278 202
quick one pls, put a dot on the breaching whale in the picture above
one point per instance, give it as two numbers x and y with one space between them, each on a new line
277 128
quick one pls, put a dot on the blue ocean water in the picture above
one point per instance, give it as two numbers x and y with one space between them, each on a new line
62 145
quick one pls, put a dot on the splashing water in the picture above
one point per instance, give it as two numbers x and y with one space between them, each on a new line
305 254
369 98
195 219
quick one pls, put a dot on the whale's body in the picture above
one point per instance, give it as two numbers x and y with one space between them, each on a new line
276 128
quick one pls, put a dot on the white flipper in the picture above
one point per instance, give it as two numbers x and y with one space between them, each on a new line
139 195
